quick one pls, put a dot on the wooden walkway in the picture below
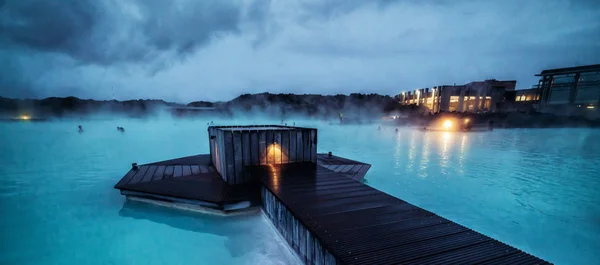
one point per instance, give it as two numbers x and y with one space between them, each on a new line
189 178
194 178
361 225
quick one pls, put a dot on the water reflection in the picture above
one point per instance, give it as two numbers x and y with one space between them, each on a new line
461 157
241 232
424 156
412 151
445 142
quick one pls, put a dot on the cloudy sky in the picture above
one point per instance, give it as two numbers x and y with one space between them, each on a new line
186 50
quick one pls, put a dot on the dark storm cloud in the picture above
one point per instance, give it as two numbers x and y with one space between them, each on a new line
112 31
186 50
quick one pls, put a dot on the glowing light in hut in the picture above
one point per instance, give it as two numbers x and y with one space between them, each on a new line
275 155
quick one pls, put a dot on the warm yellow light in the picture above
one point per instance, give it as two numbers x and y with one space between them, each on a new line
590 107
275 155
24 117
467 120
447 124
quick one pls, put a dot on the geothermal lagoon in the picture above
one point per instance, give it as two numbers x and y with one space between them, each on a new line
534 189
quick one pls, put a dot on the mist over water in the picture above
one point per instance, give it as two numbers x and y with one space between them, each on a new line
535 189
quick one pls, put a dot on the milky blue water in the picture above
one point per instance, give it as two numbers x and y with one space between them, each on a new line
538 190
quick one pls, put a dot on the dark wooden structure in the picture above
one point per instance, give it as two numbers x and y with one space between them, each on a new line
190 180
232 148
328 218
194 180
352 169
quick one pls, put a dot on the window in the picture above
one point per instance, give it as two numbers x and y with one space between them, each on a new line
453 103
560 80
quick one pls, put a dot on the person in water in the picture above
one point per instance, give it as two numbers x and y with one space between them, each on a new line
79 128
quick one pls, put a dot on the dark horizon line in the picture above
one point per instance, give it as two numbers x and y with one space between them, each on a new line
173 102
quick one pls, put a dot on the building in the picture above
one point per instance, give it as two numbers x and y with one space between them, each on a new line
480 96
570 91
530 95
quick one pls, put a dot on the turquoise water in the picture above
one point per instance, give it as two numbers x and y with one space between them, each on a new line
537 190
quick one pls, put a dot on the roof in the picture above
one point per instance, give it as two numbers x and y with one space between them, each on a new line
571 70
258 128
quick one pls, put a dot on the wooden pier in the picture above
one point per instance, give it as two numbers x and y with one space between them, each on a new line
191 180
194 180
328 218
316 201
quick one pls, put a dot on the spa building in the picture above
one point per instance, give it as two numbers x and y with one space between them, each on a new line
481 96
573 90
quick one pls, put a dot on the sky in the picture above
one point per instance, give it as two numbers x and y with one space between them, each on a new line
189 50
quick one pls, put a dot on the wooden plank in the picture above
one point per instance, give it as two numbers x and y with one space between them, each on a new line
149 174
127 177
139 175
254 153
195 169
229 157
178 171
293 153
203 169
187 170
238 159
285 146
356 168
307 145
211 143
169 172
262 147
346 168
299 147
338 168
159 173
362 172
222 152
247 160
313 147
218 151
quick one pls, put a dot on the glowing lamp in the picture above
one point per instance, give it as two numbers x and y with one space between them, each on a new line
467 121
24 117
447 124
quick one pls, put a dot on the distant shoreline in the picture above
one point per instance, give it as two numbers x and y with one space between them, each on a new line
357 109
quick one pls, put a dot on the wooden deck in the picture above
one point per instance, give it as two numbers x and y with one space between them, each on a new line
361 225
189 178
352 169
194 178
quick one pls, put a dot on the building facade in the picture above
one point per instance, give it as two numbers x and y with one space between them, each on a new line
569 90
480 96
531 95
